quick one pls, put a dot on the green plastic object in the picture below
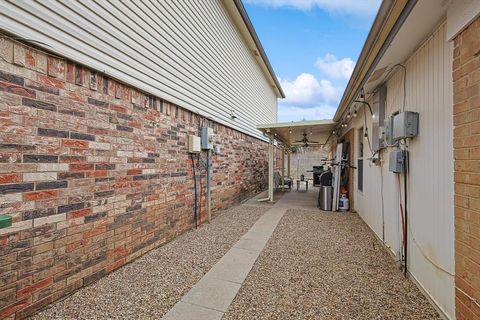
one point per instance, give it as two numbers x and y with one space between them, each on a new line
5 221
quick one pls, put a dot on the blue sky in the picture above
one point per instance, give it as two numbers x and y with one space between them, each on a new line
312 46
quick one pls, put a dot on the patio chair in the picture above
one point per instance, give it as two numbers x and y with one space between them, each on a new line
277 179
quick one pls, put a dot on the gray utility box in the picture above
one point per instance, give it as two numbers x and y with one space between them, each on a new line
388 133
405 125
396 162
378 107
207 138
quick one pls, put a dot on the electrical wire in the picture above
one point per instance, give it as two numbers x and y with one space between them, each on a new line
383 202
405 196
195 190
366 128
412 234
404 81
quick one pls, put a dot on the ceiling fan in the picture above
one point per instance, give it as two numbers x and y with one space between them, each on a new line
305 140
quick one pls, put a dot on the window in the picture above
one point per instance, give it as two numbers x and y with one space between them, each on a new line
360 160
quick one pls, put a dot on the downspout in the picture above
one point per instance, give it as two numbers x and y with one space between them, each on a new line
283 168
271 160
270 172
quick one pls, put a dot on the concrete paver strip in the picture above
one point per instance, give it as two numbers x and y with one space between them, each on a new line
234 266
189 311
217 289
212 293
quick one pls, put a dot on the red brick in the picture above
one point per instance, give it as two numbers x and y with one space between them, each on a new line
466 72
40 195
35 287
16 89
9 310
79 213
134 172
81 166
49 81
75 143
10 178
118 108
87 199
56 67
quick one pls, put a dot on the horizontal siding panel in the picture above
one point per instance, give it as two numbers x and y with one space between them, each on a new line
161 47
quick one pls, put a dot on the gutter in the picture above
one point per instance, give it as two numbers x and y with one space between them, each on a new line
253 34
388 21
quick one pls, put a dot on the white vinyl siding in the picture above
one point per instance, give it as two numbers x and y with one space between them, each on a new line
187 52
430 186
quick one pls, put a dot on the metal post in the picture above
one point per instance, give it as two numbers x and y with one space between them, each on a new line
283 168
270 169
288 163
209 180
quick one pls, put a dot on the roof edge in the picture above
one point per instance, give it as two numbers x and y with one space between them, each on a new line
389 19
240 9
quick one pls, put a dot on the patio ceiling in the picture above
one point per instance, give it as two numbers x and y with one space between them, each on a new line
290 133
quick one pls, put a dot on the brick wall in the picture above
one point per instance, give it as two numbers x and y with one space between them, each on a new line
94 174
466 96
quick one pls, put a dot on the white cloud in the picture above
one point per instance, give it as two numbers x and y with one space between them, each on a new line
335 68
306 91
356 7
308 98
289 113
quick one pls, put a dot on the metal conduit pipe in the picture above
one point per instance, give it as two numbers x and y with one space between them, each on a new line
209 182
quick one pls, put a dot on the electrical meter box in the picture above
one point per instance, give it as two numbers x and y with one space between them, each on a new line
194 144
388 133
208 138
396 161
378 122
405 125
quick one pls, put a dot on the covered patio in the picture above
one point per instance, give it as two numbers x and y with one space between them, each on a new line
286 135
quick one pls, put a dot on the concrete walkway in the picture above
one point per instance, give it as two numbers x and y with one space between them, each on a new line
210 298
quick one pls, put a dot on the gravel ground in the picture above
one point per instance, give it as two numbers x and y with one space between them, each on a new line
326 266
148 287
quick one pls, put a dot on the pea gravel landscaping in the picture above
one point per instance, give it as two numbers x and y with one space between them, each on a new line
326 266
148 287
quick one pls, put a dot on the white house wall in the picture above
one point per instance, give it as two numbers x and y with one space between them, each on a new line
161 47
430 195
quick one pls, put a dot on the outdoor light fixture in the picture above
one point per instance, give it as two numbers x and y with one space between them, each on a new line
348 114
366 133
289 130
368 105
311 132
355 113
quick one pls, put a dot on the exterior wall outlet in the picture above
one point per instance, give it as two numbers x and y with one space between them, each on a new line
194 144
